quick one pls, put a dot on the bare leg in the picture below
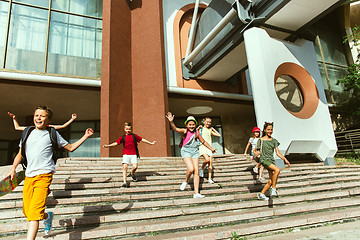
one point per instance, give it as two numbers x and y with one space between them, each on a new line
210 166
125 167
261 171
206 161
268 184
196 175
190 168
134 167
33 227
274 172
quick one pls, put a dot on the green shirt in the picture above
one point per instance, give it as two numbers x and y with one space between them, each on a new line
267 151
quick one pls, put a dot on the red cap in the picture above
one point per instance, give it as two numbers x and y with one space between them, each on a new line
256 129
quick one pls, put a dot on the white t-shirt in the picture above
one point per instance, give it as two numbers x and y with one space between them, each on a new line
38 150
253 142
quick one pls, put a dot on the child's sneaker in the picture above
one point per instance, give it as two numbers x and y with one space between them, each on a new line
273 192
183 186
48 223
133 177
211 181
201 173
261 179
262 196
255 170
124 185
198 195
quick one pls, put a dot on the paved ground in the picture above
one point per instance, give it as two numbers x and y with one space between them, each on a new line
344 231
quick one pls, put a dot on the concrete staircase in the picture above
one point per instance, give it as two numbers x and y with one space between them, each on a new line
89 204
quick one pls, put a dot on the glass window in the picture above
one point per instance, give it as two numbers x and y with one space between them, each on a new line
91 147
74 46
41 3
289 93
27 39
4 8
83 7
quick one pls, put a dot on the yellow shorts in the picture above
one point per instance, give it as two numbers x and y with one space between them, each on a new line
35 191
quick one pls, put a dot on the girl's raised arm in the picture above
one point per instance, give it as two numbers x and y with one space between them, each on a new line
214 132
170 117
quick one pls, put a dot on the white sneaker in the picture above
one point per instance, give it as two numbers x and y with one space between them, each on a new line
261 179
201 173
255 170
183 186
198 195
262 196
211 181
273 192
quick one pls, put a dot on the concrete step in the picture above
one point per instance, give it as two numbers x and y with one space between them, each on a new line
89 204
185 217
62 191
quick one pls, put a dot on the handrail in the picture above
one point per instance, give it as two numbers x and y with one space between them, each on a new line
348 141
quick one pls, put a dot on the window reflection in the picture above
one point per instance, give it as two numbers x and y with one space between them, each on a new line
83 7
27 39
3 23
74 47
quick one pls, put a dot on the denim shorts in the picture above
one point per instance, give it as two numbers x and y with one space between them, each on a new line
189 152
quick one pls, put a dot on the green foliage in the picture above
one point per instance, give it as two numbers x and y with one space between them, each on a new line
351 84
351 81
235 236
350 158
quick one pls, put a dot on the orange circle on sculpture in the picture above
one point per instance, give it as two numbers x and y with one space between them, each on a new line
306 85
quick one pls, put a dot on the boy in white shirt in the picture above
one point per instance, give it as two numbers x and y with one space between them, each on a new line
40 169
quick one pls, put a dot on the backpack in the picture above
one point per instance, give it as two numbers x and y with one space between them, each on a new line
53 139
135 142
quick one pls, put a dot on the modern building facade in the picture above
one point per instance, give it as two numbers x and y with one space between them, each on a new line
113 61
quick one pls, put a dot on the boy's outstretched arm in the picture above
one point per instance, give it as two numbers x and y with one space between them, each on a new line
16 124
73 117
148 142
16 163
111 145
73 146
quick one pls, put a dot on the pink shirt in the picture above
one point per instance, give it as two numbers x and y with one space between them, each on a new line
188 136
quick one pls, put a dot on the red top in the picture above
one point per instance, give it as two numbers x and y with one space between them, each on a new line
129 148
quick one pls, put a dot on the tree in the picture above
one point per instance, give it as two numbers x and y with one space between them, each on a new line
351 81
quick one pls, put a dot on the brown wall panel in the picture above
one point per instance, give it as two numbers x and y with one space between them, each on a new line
116 90
148 78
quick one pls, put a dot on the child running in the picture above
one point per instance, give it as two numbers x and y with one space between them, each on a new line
255 136
190 150
130 151
40 169
21 128
265 148
206 131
